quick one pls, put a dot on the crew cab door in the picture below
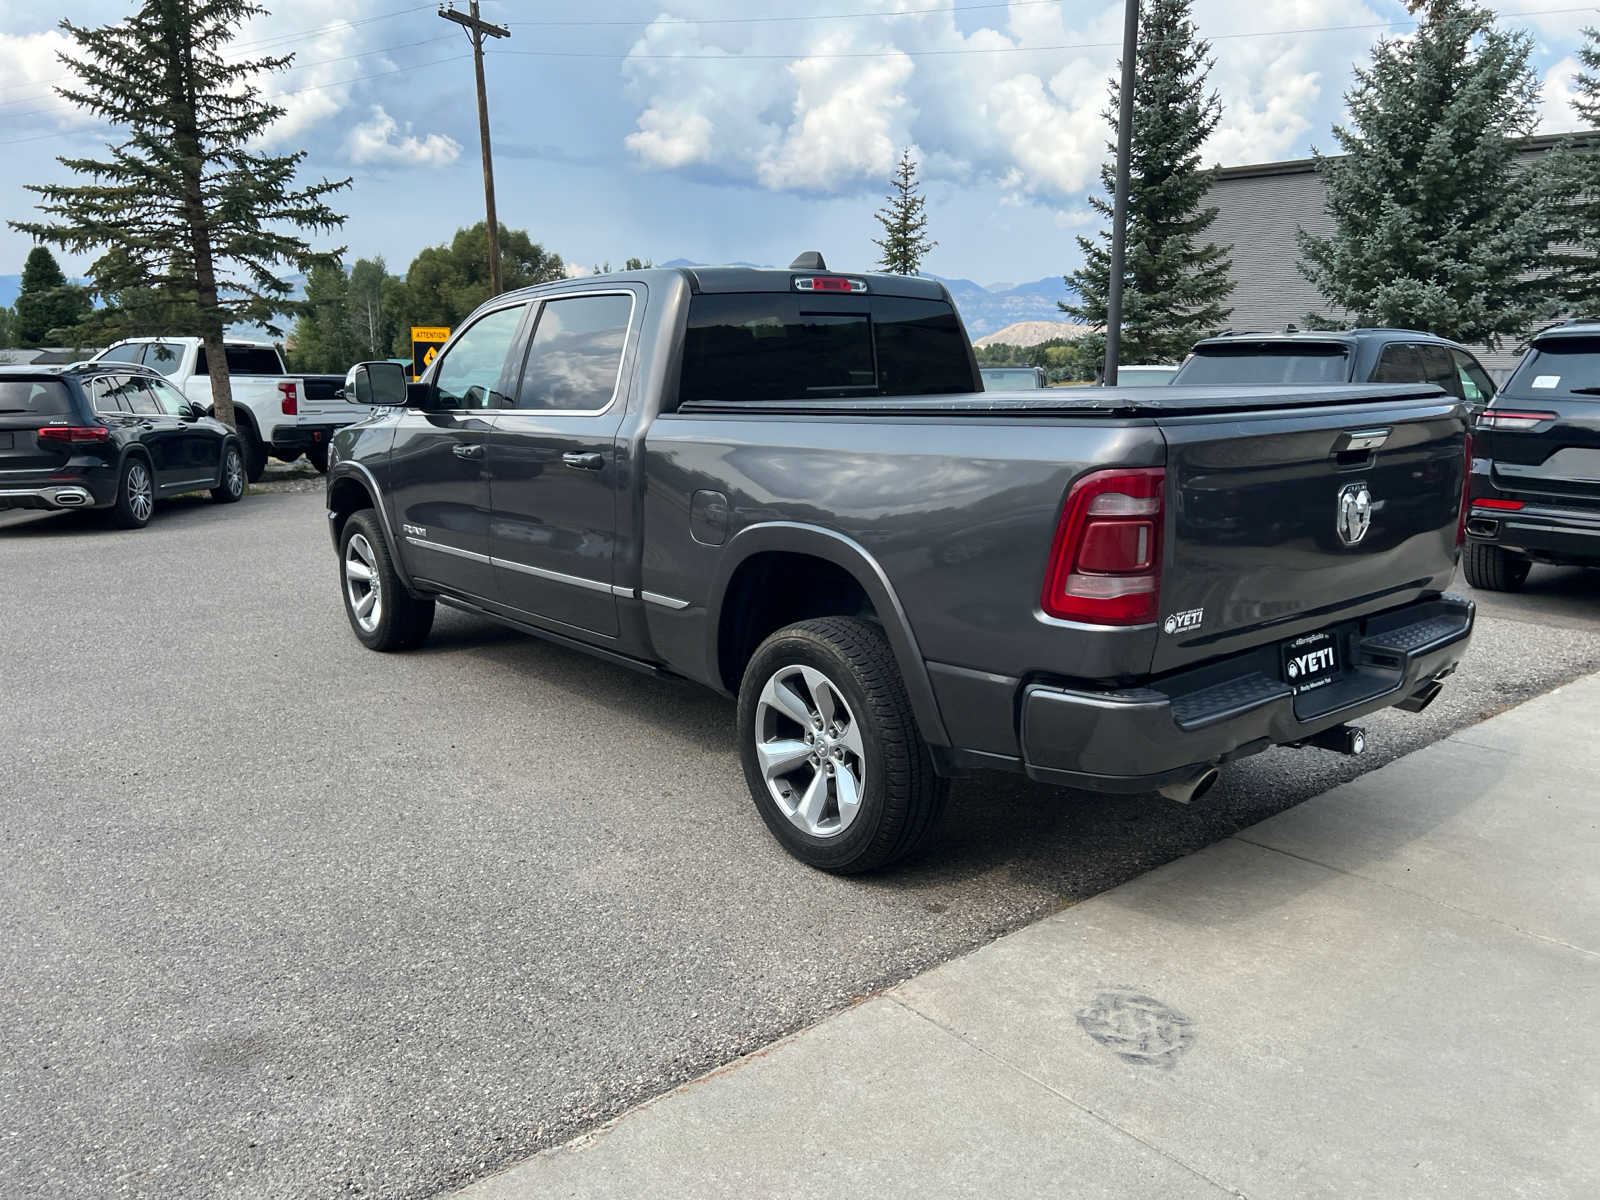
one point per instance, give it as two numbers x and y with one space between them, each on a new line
438 467
553 461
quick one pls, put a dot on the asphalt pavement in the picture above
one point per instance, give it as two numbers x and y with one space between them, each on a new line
282 917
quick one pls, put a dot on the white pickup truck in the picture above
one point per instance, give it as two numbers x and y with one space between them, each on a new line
279 414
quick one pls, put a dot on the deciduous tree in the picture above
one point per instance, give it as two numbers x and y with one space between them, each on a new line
445 283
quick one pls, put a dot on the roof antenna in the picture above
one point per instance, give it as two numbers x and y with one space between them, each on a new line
811 260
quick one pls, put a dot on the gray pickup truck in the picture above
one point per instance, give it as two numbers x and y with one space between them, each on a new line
789 486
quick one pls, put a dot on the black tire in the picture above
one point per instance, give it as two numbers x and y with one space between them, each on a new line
231 489
317 456
901 796
402 620
255 454
136 494
1494 568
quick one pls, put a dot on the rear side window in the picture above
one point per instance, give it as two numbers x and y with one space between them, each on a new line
163 356
1266 362
575 357
242 360
35 398
1560 366
767 346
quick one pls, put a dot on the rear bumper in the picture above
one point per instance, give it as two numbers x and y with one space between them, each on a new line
1540 531
91 491
303 437
1137 739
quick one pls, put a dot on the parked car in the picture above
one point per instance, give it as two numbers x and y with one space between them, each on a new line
785 485
1146 375
1345 356
278 414
1535 494
1006 379
108 435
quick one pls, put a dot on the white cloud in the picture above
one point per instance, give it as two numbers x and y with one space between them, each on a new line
29 69
380 141
1556 114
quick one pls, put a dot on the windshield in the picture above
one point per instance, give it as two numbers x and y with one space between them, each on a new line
34 398
1009 377
1267 362
1560 366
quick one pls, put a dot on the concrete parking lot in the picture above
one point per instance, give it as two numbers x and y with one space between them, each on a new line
282 917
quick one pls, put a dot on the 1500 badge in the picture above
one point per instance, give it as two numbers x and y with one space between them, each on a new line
1184 622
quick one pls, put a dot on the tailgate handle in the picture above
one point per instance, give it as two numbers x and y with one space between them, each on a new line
1360 439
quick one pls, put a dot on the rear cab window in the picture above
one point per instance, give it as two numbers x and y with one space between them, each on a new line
242 360
1231 363
777 346
1564 367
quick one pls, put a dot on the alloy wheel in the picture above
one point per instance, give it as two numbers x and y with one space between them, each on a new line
233 472
810 749
362 587
141 492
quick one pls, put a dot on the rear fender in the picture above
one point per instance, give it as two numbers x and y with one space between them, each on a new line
851 556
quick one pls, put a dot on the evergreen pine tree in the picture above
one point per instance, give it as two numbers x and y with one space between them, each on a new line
1174 287
324 336
48 308
1575 236
1436 225
904 219
195 219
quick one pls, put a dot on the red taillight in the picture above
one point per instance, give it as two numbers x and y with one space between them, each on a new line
1499 505
1505 418
1105 566
74 434
291 398
829 283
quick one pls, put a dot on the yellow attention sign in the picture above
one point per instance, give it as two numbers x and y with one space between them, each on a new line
426 341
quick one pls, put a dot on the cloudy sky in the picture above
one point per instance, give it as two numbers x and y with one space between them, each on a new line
692 129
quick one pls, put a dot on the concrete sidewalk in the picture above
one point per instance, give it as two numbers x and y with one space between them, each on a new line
1392 990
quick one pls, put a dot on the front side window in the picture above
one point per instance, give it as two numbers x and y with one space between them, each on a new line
168 397
1475 381
575 356
468 376
1228 364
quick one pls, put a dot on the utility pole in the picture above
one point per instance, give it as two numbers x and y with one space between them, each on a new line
1119 206
477 29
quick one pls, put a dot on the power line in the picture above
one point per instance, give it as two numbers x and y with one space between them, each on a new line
965 50
852 16
316 87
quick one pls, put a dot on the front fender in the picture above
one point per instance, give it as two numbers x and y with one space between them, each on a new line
844 552
350 473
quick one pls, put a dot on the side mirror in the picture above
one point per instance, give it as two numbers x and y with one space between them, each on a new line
380 383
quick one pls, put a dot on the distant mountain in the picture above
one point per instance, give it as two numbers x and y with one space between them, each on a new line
1031 333
983 309
10 285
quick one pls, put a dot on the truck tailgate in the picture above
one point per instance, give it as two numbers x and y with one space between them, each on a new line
1286 521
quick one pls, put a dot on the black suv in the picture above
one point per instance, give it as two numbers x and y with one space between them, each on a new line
108 435
1340 356
1535 486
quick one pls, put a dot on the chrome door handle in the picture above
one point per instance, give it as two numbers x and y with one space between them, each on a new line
584 462
467 451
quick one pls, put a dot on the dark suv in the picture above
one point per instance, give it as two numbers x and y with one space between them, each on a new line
1340 356
108 435
1535 484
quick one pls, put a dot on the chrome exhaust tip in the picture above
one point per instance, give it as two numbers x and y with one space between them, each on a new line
1190 788
70 497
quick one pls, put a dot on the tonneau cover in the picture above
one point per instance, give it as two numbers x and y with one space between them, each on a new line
1091 401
